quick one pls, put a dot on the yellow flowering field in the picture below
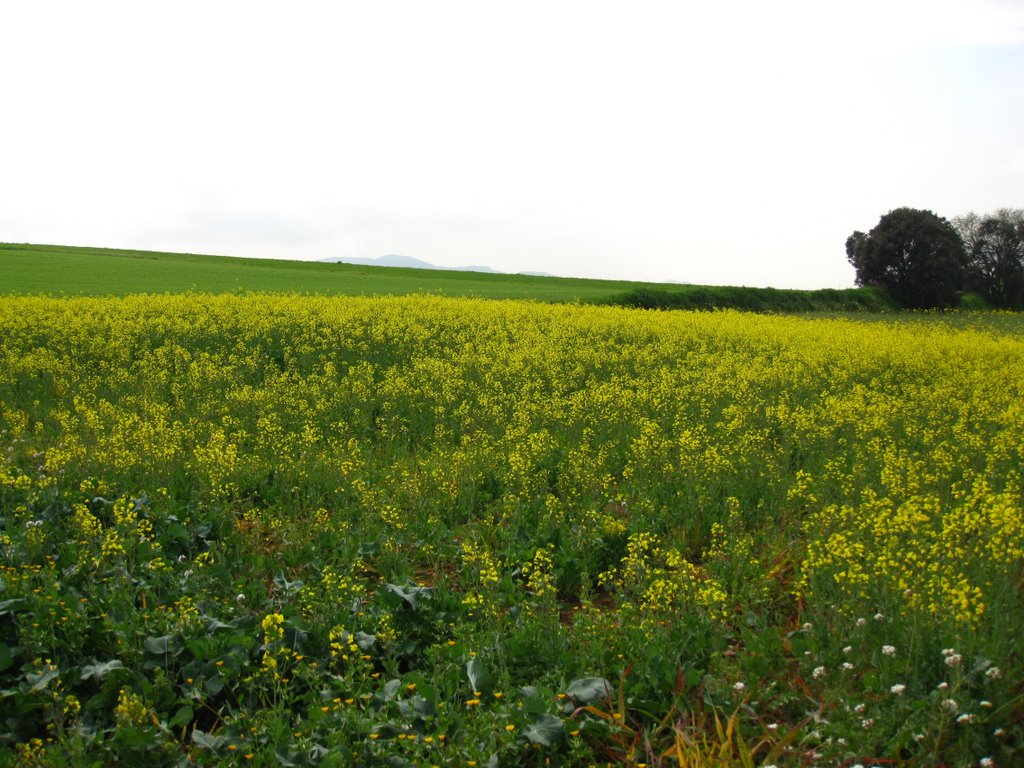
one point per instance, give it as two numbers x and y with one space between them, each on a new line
295 530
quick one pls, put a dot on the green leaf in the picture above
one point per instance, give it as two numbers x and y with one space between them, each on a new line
6 657
182 717
212 625
158 646
425 707
41 681
479 678
8 606
208 740
546 731
368 548
214 685
387 693
587 690
365 641
410 594
535 701
100 669
288 587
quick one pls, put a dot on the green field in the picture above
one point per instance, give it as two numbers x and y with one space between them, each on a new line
73 271
103 271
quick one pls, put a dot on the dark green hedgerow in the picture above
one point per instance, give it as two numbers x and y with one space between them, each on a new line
756 299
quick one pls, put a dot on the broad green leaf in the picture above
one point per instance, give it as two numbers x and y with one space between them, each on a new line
288 587
42 680
587 690
387 693
214 685
6 606
425 707
479 677
182 717
536 701
287 758
547 730
158 646
212 625
208 740
100 669
410 594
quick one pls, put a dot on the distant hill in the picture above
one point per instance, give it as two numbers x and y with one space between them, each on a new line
394 260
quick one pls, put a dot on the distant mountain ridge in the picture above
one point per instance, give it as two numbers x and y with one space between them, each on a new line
394 260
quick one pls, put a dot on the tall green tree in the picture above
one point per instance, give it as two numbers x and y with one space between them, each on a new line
995 255
913 255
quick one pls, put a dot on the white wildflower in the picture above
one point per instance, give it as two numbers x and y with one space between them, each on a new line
993 673
888 650
818 673
898 689
950 705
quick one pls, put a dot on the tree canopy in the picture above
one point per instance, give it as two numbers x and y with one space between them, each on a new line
995 255
914 255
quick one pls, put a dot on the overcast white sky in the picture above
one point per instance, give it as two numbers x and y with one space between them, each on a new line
719 143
